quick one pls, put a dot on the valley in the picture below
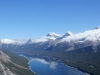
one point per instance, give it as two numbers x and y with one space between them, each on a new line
86 61
49 37
81 51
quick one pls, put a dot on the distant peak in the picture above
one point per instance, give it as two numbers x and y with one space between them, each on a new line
31 39
7 41
97 27
68 33
52 34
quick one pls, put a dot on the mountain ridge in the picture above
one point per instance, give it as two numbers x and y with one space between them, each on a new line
80 50
69 40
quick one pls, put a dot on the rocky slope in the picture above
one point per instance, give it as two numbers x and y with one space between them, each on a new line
4 70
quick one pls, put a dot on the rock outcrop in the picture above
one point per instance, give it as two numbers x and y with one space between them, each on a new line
4 70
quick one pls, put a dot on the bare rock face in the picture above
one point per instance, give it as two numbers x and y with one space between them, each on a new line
4 57
4 70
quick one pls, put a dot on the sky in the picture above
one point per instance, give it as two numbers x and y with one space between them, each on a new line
24 19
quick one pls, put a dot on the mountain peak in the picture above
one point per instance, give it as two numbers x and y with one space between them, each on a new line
97 27
52 34
68 34
7 41
30 41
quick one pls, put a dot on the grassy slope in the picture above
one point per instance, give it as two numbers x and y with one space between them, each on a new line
20 61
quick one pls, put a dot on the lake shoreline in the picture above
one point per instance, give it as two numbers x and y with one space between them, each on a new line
61 62
28 63
77 68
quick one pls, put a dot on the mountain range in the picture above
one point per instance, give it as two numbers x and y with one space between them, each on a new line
51 41
81 50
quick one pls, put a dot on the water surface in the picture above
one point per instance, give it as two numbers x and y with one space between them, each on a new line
48 66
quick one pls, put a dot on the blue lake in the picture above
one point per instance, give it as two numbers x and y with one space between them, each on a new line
48 66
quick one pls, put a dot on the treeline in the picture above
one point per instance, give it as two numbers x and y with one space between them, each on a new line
85 59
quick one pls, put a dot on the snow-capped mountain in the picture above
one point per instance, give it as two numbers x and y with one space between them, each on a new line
50 36
12 44
30 41
54 35
67 34
87 38
90 35
68 41
7 41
